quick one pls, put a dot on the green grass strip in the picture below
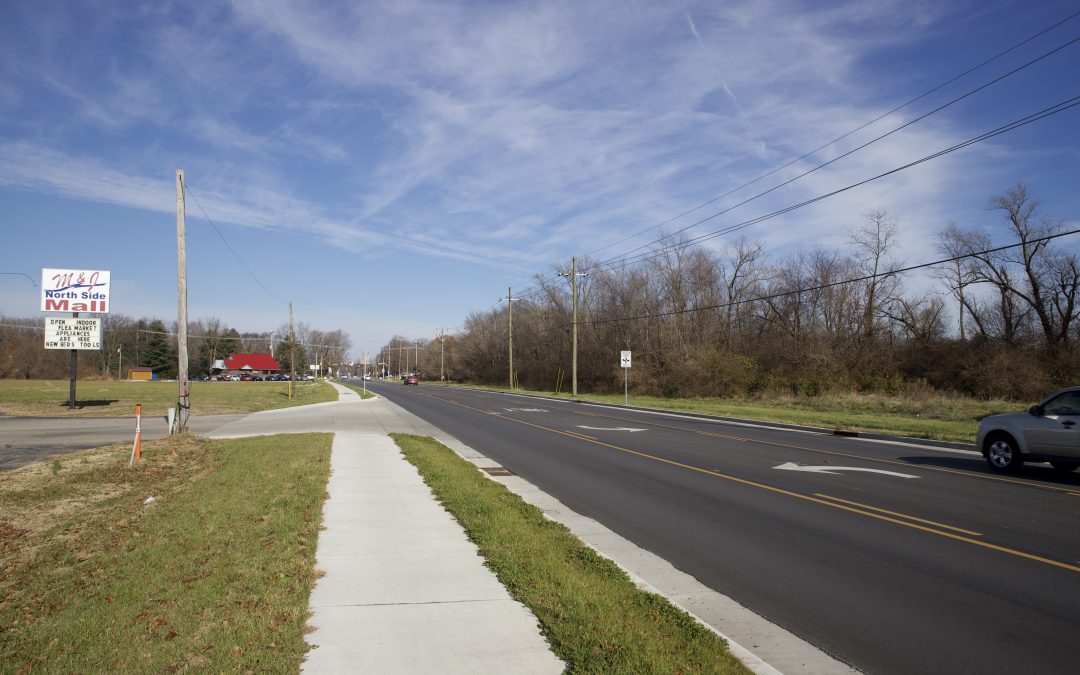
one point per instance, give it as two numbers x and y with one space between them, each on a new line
109 398
593 616
215 575
938 417
364 393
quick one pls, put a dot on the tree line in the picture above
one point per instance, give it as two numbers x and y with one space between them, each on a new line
995 319
152 343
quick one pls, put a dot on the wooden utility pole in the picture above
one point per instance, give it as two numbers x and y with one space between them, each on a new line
183 405
510 330
573 362
292 353
442 354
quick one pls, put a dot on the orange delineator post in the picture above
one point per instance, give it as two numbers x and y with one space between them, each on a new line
136 448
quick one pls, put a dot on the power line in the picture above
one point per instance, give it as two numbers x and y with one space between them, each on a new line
843 136
1016 124
187 189
864 145
24 275
808 289
530 290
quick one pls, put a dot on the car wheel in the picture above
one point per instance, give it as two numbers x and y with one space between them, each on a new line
1002 453
1065 466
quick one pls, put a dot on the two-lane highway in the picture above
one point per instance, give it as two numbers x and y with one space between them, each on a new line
891 557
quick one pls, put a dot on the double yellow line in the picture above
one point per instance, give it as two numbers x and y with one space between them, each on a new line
896 518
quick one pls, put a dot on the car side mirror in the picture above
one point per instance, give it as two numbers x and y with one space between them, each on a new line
1036 410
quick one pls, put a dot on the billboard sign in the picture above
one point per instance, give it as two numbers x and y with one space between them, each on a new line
74 291
69 333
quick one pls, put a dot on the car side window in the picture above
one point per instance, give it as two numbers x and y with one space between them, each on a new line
1067 403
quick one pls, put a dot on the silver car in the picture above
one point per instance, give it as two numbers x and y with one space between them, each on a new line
1047 432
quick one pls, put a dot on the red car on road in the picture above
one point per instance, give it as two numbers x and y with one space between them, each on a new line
411 379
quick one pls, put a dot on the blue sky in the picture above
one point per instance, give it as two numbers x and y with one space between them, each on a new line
391 167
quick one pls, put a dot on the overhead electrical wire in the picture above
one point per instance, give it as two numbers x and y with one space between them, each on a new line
860 147
845 135
1016 124
187 190
539 285
805 289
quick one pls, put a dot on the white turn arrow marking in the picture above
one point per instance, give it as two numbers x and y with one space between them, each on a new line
791 466
582 426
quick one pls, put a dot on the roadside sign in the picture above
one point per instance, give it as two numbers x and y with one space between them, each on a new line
66 333
74 290
624 359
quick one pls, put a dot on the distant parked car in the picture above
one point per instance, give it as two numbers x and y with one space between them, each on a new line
1047 432
245 378
256 378
412 379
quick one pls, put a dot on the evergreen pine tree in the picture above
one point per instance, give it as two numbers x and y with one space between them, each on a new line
159 352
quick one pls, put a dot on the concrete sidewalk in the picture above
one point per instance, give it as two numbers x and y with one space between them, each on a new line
405 591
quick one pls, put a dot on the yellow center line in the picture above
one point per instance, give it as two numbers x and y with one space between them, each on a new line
789 493
901 515
834 453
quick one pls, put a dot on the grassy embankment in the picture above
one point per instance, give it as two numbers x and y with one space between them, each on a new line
213 576
593 616
934 417
110 398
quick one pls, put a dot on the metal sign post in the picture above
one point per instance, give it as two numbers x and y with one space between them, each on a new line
624 361
73 334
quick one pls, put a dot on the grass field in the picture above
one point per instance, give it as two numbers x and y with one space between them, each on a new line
213 576
110 398
594 617
932 417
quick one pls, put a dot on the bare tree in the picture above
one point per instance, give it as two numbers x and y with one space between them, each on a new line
874 241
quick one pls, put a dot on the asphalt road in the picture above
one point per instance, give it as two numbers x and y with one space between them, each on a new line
903 559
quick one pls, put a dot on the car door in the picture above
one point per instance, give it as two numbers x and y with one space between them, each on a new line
1057 430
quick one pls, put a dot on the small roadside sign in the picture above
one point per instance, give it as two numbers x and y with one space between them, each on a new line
624 359
65 333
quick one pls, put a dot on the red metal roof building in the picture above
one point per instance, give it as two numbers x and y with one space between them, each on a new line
255 364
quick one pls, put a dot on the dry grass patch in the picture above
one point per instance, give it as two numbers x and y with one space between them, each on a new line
215 574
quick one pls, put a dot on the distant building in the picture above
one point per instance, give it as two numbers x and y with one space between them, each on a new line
140 373
246 364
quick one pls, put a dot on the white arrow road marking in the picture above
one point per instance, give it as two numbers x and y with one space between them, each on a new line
791 466
582 426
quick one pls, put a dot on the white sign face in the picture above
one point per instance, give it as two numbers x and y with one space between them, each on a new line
313 367
624 359
65 333
75 291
